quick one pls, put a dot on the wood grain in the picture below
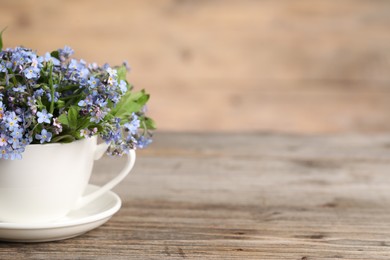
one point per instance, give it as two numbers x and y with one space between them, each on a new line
252 196
274 65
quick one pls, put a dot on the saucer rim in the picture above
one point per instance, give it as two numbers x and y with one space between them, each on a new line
63 223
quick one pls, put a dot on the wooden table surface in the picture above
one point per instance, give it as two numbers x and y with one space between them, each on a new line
242 196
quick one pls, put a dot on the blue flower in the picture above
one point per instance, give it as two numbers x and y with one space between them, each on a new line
31 73
1 109
3 140
17 133
3 68
17 60
84 73
56 96
112 72
97 115
44 117
19 88
37 62
38 93
123 86
133 126
86 102
143 142
65 53
26 141
4 152
101 102
11 120
73 64
126 64
93 82
112 76
49 58
31 103
93 66
14 142
16 154
82 103
45 136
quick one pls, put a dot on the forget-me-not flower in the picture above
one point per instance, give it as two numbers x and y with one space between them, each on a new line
31 73
48 58
3 140
133 126
93 82
45 136
123 86
44 117
143 142
3 68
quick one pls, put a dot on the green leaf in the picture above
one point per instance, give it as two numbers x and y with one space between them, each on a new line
63 139
83 123
128 109
149 123
129 103
55 54
121 72
143 99
136 95
60 104
63 119
72 117
1 38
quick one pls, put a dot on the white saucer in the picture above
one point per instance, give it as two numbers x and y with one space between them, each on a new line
74 224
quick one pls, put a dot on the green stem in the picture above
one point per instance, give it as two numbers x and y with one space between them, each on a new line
69 87
69 97
36 125
51 89
145 128
13 78
61 138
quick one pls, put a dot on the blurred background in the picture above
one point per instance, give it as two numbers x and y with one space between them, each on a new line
304 66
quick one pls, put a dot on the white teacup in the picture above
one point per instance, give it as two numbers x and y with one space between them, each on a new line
50 180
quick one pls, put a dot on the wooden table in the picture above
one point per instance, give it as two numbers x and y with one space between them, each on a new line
248 196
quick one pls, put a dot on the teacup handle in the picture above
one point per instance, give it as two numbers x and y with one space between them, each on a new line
101 148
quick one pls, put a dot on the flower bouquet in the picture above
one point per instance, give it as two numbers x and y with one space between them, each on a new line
53 98
52 108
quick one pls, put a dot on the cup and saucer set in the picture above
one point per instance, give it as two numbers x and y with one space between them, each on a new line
46 196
